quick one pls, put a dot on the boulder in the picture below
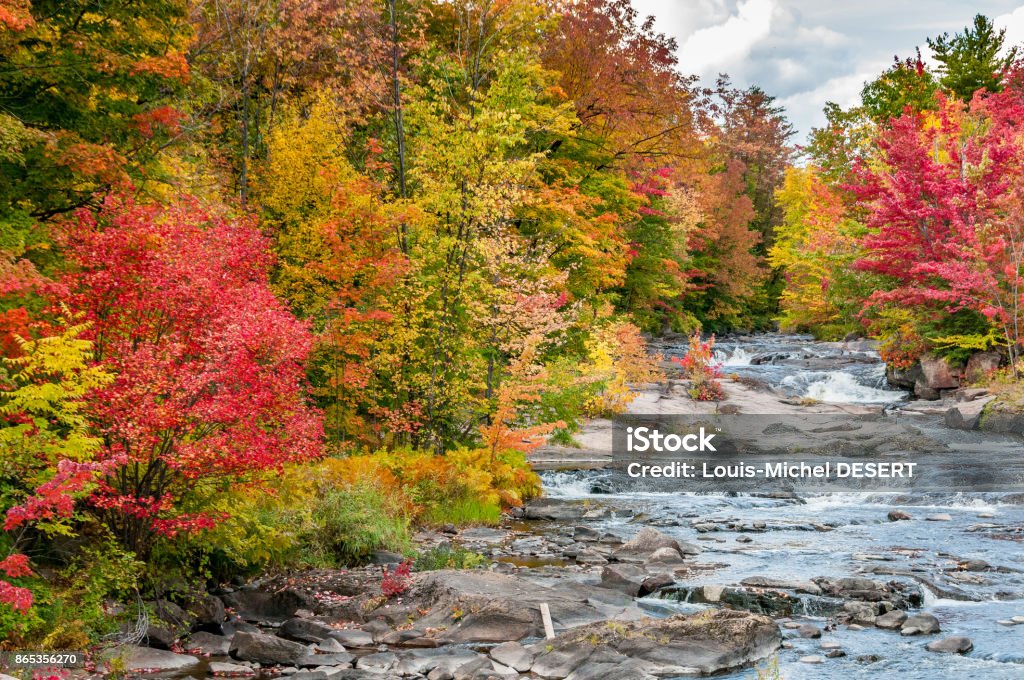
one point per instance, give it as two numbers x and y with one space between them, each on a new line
315 660
206 610
147 659
665 556
513 655
266 649
898 516
920 624
966 415
705 643
494 607
951 645
809 587
208 644
809 631
380 662
168 623
353 637
938 374
230 670
980 364
553 509
306 630
626 578
904 378
891 620
647 542
276 606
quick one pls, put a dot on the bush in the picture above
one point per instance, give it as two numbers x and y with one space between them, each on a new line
449 557
700 367
350 523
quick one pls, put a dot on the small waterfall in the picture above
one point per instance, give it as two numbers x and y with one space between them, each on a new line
737 357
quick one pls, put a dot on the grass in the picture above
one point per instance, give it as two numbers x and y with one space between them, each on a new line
449 557
465 510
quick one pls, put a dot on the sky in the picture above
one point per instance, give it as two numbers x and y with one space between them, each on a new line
807 52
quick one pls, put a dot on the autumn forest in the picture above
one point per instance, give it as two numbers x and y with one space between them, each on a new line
281 280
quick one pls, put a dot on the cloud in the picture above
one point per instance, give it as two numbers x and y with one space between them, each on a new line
715 48
1013 22
804 108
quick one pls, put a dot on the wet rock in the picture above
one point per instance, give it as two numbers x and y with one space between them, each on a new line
141 659
586 534
786 584
744 539
306 630
230 670
863 613
422 662
632 580
855 627
835 654
667 556
920 624
208 644
266 649
1017 619
973 565
591 557
898 516
206 610
891 620
705 643
951 645
553 509
813 658
941 517
386 557
809 631
648 541
329 646
513 655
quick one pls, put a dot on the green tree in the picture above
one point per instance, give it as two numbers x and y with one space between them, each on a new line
971 60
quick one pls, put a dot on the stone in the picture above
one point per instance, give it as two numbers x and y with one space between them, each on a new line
168 623
938 374
386 557
554 509
808 587
625 578
329 646
835 654
920 624
1017 619
653 584
208 644
380 662
855 627
148 659
206 609
306 630
586 534
513 655
352 637
812 658
980 364
744 539
809 631
891 620
275 606
665 555
951 645
334 659
706 643
266 649
898 516
230 670
941 517
648 540
966 415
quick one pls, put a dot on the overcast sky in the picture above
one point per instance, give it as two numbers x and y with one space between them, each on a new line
807 52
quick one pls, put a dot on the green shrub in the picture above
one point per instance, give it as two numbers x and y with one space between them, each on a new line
449 557
349 523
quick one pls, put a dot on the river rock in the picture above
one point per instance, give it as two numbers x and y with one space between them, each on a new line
206 610
920 624
647 542
898 516
380 662
891 620
277 605
786 584
335 659
266 649
704 643
966 415
230 670
666 556
812 658
586 534
809 631
513 655
941 517
208 644
496 607
306 630
352 637
147 659
553 509
951 645
633 580
835 654
168 623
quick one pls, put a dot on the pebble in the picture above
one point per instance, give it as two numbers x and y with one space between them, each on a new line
897 515
1017 619
809 631
831 645
855 627
744 539
835 653
791 625
813 658
939 518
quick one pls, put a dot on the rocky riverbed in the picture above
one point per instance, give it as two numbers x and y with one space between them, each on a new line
655 582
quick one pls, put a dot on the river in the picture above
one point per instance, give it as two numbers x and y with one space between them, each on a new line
842 534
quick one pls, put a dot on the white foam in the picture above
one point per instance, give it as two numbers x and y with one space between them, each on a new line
843 388
738 357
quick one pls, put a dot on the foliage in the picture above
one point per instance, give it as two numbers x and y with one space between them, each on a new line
973 60
701 370
396 582
449 556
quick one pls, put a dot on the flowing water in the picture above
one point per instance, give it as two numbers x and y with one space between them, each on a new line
843 534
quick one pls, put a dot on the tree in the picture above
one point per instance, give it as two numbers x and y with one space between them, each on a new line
907 83
972 60
208 367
